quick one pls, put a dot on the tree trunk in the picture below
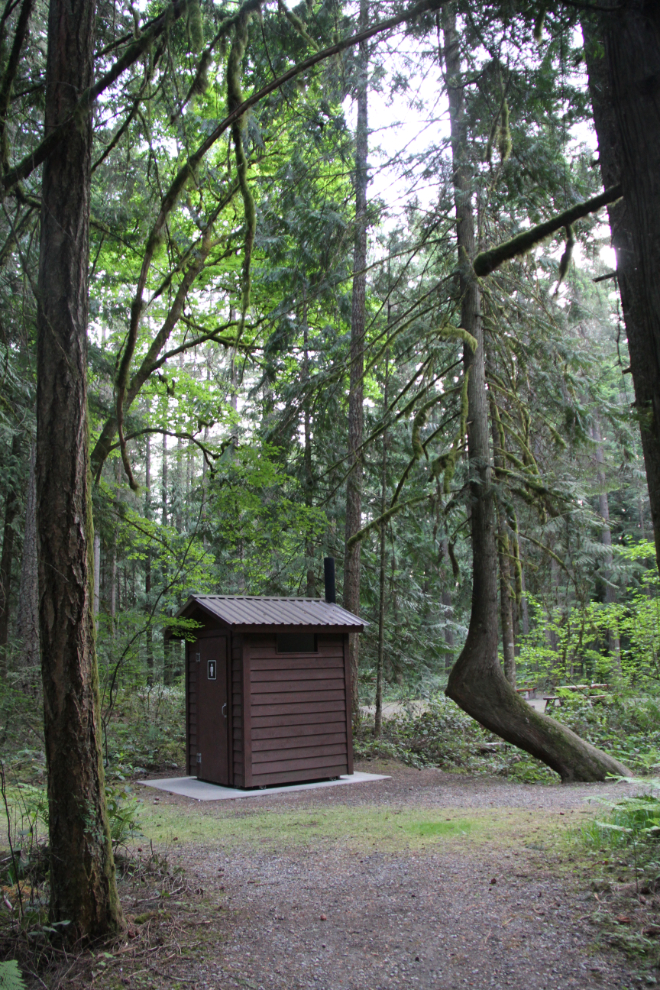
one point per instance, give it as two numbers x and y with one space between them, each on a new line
524 605
380 662
28 595
97 573
147 563
307 455
609 592
82 877
7 557
477 682
113 586
351 599
623 88
167 643
504 557
447 602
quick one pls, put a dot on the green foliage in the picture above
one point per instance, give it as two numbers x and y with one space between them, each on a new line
10 976
631 828
442 735
146 730
580 632
123 810
28 809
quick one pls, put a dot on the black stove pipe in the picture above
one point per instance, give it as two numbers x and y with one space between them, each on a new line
329 578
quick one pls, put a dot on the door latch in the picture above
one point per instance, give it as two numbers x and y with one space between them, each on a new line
223 710
199 759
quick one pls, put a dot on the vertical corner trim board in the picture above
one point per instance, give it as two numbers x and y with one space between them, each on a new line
298 710
191 711
247 713
349 713
237 724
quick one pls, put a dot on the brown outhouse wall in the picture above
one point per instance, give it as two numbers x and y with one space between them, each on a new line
237 717
289 713
296 710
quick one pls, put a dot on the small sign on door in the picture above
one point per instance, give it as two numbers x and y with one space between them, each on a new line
212 665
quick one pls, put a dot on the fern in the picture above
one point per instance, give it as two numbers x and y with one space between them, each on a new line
10 976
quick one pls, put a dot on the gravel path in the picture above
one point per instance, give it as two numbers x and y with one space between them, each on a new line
496 910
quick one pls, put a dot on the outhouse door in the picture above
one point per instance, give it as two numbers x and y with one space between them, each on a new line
212 713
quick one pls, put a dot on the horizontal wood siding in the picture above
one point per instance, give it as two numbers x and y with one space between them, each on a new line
298 712
236 682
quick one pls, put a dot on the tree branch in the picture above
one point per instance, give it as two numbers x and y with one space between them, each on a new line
488 261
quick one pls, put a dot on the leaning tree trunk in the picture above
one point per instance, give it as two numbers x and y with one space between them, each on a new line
351 597
477 682
82 877
623 85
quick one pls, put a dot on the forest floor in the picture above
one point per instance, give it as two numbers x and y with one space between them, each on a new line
425 880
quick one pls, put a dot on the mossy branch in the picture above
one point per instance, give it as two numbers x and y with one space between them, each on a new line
188 169
384 518
11 70
486 262
134 52
234 99
297 25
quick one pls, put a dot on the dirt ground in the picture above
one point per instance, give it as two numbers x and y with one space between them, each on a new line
425 880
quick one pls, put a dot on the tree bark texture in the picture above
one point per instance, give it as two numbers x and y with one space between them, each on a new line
624 86
82 877
307 460
477 682
28 594
608 589
147 564
12 504
380 661
504 555
351 597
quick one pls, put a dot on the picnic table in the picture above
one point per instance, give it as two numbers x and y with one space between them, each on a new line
555 700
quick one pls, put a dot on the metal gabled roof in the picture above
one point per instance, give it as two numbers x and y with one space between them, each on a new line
255 610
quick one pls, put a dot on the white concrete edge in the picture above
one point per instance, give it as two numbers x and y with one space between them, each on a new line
200 790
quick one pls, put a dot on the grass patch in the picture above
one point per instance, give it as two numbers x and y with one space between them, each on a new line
356 828
431 830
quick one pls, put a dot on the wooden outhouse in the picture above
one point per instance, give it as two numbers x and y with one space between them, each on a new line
268 697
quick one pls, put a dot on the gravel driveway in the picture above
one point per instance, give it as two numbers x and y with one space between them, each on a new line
475 889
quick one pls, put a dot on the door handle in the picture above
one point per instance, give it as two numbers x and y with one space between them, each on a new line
223 710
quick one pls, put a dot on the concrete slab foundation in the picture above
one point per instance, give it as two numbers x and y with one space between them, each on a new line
199 790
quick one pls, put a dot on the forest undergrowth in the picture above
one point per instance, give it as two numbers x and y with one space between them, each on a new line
144 732
443 736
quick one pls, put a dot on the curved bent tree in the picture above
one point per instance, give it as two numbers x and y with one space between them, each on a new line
477 682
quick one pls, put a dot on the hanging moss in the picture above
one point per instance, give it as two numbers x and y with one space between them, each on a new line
566 256
493 139
504 139
297 25
201 81
234 99
538 24
384 518
195 26
488 261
